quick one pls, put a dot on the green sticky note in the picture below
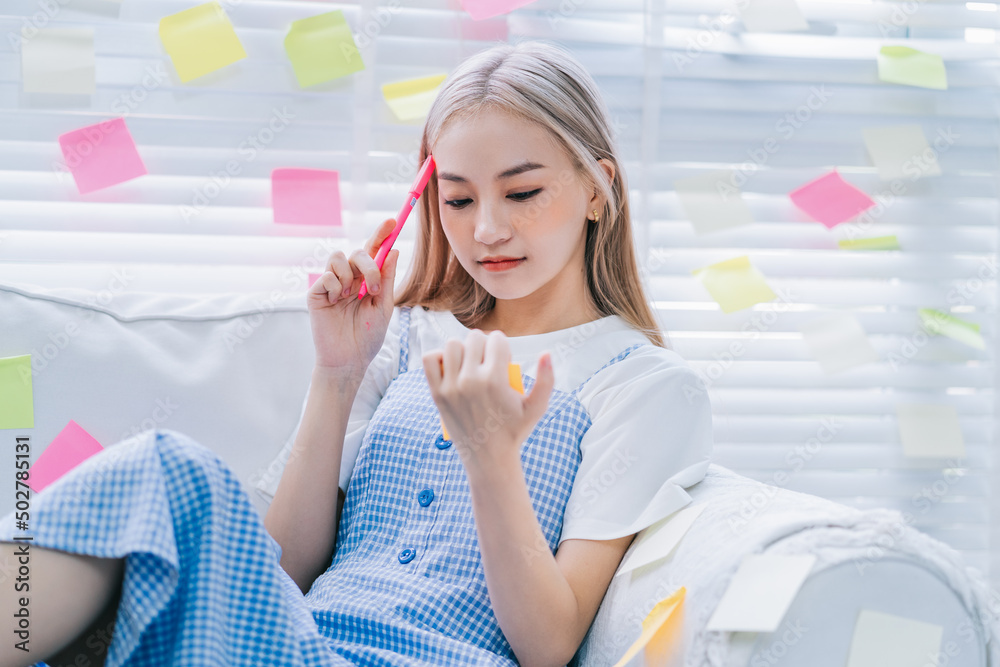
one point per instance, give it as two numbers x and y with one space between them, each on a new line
200 40
901 64
937 322
735 284
322 48
17 409
874 243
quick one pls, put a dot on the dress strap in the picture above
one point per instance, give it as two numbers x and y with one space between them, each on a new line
404 338
624 353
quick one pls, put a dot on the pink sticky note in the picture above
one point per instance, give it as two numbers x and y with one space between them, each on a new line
101 155
487 9
313 277
830 199
305 196
70 448
483 31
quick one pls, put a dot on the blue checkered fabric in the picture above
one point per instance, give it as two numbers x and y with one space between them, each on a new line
203 585
406 576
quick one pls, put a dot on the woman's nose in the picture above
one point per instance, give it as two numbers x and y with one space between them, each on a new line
491 226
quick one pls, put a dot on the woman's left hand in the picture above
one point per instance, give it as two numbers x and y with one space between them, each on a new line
486 418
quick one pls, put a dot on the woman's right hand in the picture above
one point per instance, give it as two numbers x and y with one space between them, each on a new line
349 332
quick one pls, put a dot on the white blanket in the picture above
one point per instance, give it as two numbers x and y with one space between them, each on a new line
742 516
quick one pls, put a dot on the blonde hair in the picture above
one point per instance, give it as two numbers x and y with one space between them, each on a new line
543 83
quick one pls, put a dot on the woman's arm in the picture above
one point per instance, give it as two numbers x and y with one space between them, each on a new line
303 516
544 603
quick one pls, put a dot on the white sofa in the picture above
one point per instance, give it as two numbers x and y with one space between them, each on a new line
231 371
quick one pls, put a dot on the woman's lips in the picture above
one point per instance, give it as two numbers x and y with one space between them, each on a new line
502 266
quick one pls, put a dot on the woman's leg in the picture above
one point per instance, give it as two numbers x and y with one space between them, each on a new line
67 595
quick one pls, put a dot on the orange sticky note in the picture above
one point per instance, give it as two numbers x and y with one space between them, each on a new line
514 375
660 631
71 447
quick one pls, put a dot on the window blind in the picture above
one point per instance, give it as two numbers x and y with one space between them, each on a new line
691 91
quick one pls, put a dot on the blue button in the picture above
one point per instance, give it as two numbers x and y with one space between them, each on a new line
441 443
425 497
406 555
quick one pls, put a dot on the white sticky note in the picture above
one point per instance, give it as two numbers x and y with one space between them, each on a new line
887 640
930 430
712 202
773 16
658 541
838 342
59 60
760 592
901 151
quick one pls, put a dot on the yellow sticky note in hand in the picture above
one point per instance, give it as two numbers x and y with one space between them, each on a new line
514 375
200 40
16 404
322 48
412 99
910 67
660 631
735 284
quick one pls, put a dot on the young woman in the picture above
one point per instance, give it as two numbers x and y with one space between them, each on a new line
492 547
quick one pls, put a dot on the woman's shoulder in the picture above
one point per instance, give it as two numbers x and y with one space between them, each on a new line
644 369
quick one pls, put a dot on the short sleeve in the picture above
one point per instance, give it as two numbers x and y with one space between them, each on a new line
650 438
381 371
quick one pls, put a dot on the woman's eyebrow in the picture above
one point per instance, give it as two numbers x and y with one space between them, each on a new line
513 171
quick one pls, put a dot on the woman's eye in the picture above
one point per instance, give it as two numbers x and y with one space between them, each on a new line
522 196
458 203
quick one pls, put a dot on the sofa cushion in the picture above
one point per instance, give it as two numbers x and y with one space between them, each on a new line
230 370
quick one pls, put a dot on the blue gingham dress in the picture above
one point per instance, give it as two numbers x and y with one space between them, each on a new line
405 587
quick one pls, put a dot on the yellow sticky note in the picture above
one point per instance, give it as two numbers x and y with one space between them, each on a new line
735 284
17 408
660 631
200 40
937 322
412 99
910 67
514 375
874 243
322 48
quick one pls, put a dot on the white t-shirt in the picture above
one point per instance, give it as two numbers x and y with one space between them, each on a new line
651 418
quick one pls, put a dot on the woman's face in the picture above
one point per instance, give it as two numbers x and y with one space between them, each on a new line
506 188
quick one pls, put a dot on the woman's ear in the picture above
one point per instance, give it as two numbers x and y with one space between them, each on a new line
597 201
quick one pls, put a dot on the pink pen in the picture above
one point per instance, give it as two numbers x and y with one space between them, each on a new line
424 175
